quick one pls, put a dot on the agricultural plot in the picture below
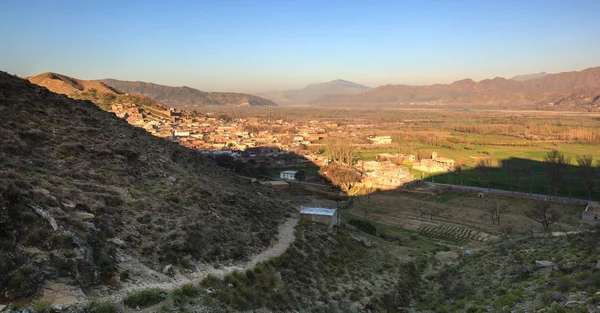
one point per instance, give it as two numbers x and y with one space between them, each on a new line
456 217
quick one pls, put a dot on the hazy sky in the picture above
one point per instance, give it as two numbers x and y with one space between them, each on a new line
252 46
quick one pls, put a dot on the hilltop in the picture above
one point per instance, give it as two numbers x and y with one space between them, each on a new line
87 200
314 91
568 90
67 85
186 98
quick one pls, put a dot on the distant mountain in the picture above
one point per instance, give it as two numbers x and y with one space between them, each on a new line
67 85
314 91
525 77
186 98
570 88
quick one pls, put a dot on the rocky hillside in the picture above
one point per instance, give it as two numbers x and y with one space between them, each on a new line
314 91
186 98
67 85
551 90
81 191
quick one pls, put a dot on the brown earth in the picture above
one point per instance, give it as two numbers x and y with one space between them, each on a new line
67 85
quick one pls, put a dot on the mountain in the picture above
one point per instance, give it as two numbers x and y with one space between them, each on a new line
67 85
87 199
573 89
186 98
530 76
314 91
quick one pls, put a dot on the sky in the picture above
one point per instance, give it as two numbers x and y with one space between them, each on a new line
257 46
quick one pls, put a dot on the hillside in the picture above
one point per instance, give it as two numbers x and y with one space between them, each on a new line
186 98
67 85
87 200
555 89
314 91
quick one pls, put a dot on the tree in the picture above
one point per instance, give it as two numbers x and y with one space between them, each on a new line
494 210
484 167
431 211
544 214
340 150
341 176
513 172
587 173
458 169
526 168
555 166
300 175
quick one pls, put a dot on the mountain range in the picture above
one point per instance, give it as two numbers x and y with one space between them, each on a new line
567 90
185 98
314 91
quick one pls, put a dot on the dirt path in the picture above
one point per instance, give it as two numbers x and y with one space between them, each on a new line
147 278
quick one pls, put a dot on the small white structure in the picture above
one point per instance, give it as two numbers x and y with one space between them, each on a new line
592 212
288 175
319 215
181 134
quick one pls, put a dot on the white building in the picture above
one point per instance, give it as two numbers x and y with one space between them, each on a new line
181 134
288 175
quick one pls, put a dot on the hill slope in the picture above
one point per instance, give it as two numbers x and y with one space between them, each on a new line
67 85
555 88
314 91
81 191
186 98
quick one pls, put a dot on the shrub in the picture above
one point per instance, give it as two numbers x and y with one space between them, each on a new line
144 298
364 226
42 307
97 306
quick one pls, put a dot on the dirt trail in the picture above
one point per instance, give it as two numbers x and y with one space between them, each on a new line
144 277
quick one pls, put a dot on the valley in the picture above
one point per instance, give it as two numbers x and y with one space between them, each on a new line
123 204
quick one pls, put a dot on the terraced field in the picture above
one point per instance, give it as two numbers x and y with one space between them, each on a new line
455 234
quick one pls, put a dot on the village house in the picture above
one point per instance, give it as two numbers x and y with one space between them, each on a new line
276 184
591 212
319 215
288 175
398 158
181 133
379 140
435 164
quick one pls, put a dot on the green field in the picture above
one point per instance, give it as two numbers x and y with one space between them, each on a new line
571 186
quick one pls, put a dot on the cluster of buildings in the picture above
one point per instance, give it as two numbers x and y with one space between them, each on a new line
434 165
273 144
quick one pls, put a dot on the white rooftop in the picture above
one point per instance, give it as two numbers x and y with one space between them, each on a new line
317 211
289 172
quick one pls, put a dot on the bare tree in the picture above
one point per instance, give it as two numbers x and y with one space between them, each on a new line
555 165
340 150
587 173
494 210
341 176
526 167
431 211
543 213
512 168
484 167
458 169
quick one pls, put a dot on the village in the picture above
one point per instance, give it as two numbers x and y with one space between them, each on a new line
277 143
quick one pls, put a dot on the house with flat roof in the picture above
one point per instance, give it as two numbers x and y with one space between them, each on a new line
320 215
288 175
591 212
